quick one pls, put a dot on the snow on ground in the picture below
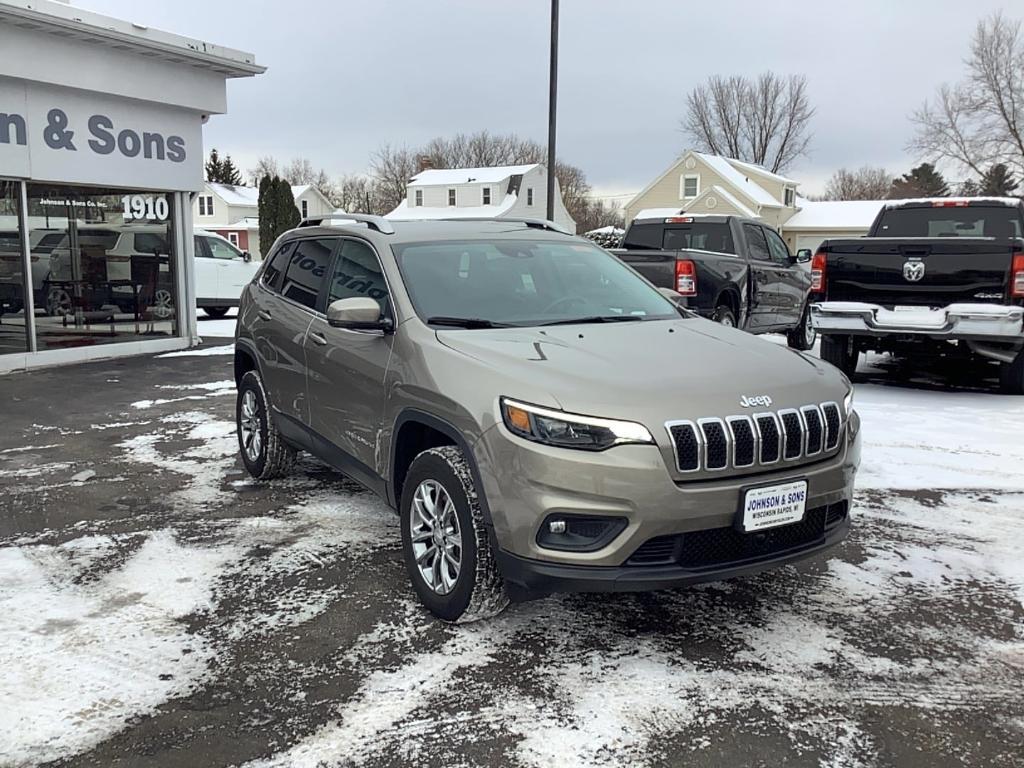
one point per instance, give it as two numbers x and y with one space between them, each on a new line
272 624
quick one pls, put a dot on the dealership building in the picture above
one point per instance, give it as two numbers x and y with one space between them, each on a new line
100 154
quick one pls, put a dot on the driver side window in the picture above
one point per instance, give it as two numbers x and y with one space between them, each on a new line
777 246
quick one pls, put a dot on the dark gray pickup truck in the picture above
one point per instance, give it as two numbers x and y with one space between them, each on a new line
732 270
932 277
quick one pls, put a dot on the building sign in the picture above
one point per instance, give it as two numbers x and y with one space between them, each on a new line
63 135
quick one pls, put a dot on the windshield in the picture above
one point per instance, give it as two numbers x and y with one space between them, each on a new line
525 282
999 221
696 235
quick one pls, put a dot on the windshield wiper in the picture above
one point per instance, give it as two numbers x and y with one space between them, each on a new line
597 319
465 322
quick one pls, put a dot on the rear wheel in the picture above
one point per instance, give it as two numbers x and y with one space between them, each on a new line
803 336
723 315
264 452
445 542
840 351
216 312
1011 376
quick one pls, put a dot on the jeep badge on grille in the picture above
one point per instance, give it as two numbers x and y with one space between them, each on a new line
757 400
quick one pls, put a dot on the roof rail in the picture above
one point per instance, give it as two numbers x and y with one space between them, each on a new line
379 223
531 223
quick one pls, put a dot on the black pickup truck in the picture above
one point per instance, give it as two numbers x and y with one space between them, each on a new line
942 276
732 270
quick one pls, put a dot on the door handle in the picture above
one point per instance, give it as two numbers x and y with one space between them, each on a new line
263 314
318 338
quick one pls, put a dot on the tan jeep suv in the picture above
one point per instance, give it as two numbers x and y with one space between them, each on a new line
542 418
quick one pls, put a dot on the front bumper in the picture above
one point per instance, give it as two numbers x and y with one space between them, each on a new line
991 322
537 578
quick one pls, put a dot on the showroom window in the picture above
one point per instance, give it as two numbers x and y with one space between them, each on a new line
13 335
102 265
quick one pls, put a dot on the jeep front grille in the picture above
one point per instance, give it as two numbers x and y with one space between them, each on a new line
760 440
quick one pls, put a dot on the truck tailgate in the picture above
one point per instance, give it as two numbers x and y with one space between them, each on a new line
657 266
932 272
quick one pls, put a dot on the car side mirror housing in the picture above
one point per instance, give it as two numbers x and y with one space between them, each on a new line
803 256
358 313
246 256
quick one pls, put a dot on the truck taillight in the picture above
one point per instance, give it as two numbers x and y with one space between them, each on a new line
1017 276
818 272
686 277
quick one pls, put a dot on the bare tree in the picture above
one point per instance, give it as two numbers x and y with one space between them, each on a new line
358 194
865 183
265 166
980 120
763 121
391 170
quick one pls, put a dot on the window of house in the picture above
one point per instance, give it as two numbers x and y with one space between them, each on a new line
529 195
789 196
233 238
305 209
689 185
487 195
206 205
451 197
307 270
419 197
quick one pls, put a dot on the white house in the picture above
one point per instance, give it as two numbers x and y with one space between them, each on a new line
702 183
503 192
233 211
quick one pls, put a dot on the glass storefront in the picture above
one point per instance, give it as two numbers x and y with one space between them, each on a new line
103 268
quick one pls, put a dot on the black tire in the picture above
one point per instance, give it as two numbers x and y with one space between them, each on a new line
216 312
803 336
840 351
1011 376
723 315
273 457
478 591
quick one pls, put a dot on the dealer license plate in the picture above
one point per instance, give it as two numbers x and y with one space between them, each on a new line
774 505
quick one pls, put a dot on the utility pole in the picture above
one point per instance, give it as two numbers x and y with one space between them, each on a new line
552 108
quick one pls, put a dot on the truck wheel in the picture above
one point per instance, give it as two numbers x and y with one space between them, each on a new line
446 545
264 452
803 336
840 351
724 316
1011 376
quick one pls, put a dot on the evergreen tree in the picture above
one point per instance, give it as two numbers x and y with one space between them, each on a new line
288 215
229 173
922 181
268 212
998 181
214 166
968 188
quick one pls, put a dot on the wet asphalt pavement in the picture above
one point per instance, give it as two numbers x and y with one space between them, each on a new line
168 611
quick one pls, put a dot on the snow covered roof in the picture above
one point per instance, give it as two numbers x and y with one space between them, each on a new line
658 213
242 195
609 230
753 168
730 198
406 212
834 214
752 190
441 176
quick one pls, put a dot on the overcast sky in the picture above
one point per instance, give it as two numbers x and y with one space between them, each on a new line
344 77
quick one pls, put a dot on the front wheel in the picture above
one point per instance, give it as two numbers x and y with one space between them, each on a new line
840 351
445 542
803 336
723 315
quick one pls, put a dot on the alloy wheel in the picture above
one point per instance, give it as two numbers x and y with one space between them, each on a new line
436 537
810 334
58 302
252 439
163 304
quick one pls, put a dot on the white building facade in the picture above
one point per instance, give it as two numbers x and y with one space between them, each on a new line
509 192
100 152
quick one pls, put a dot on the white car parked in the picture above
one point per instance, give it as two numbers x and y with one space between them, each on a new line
222 271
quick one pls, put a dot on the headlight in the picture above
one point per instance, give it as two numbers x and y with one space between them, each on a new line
568 430
848 403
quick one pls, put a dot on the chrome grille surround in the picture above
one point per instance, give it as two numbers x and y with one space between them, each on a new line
704 433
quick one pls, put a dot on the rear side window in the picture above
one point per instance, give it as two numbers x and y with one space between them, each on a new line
756 243
702 236
276 266
151 242
306 271
999 221
644 236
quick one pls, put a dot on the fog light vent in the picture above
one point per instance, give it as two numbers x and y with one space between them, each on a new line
579 533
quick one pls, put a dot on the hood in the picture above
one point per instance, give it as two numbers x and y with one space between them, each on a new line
651 371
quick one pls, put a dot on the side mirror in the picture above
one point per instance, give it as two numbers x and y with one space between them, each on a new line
358 313
803 255
246 256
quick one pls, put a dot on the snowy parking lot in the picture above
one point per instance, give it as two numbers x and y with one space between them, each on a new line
161 608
